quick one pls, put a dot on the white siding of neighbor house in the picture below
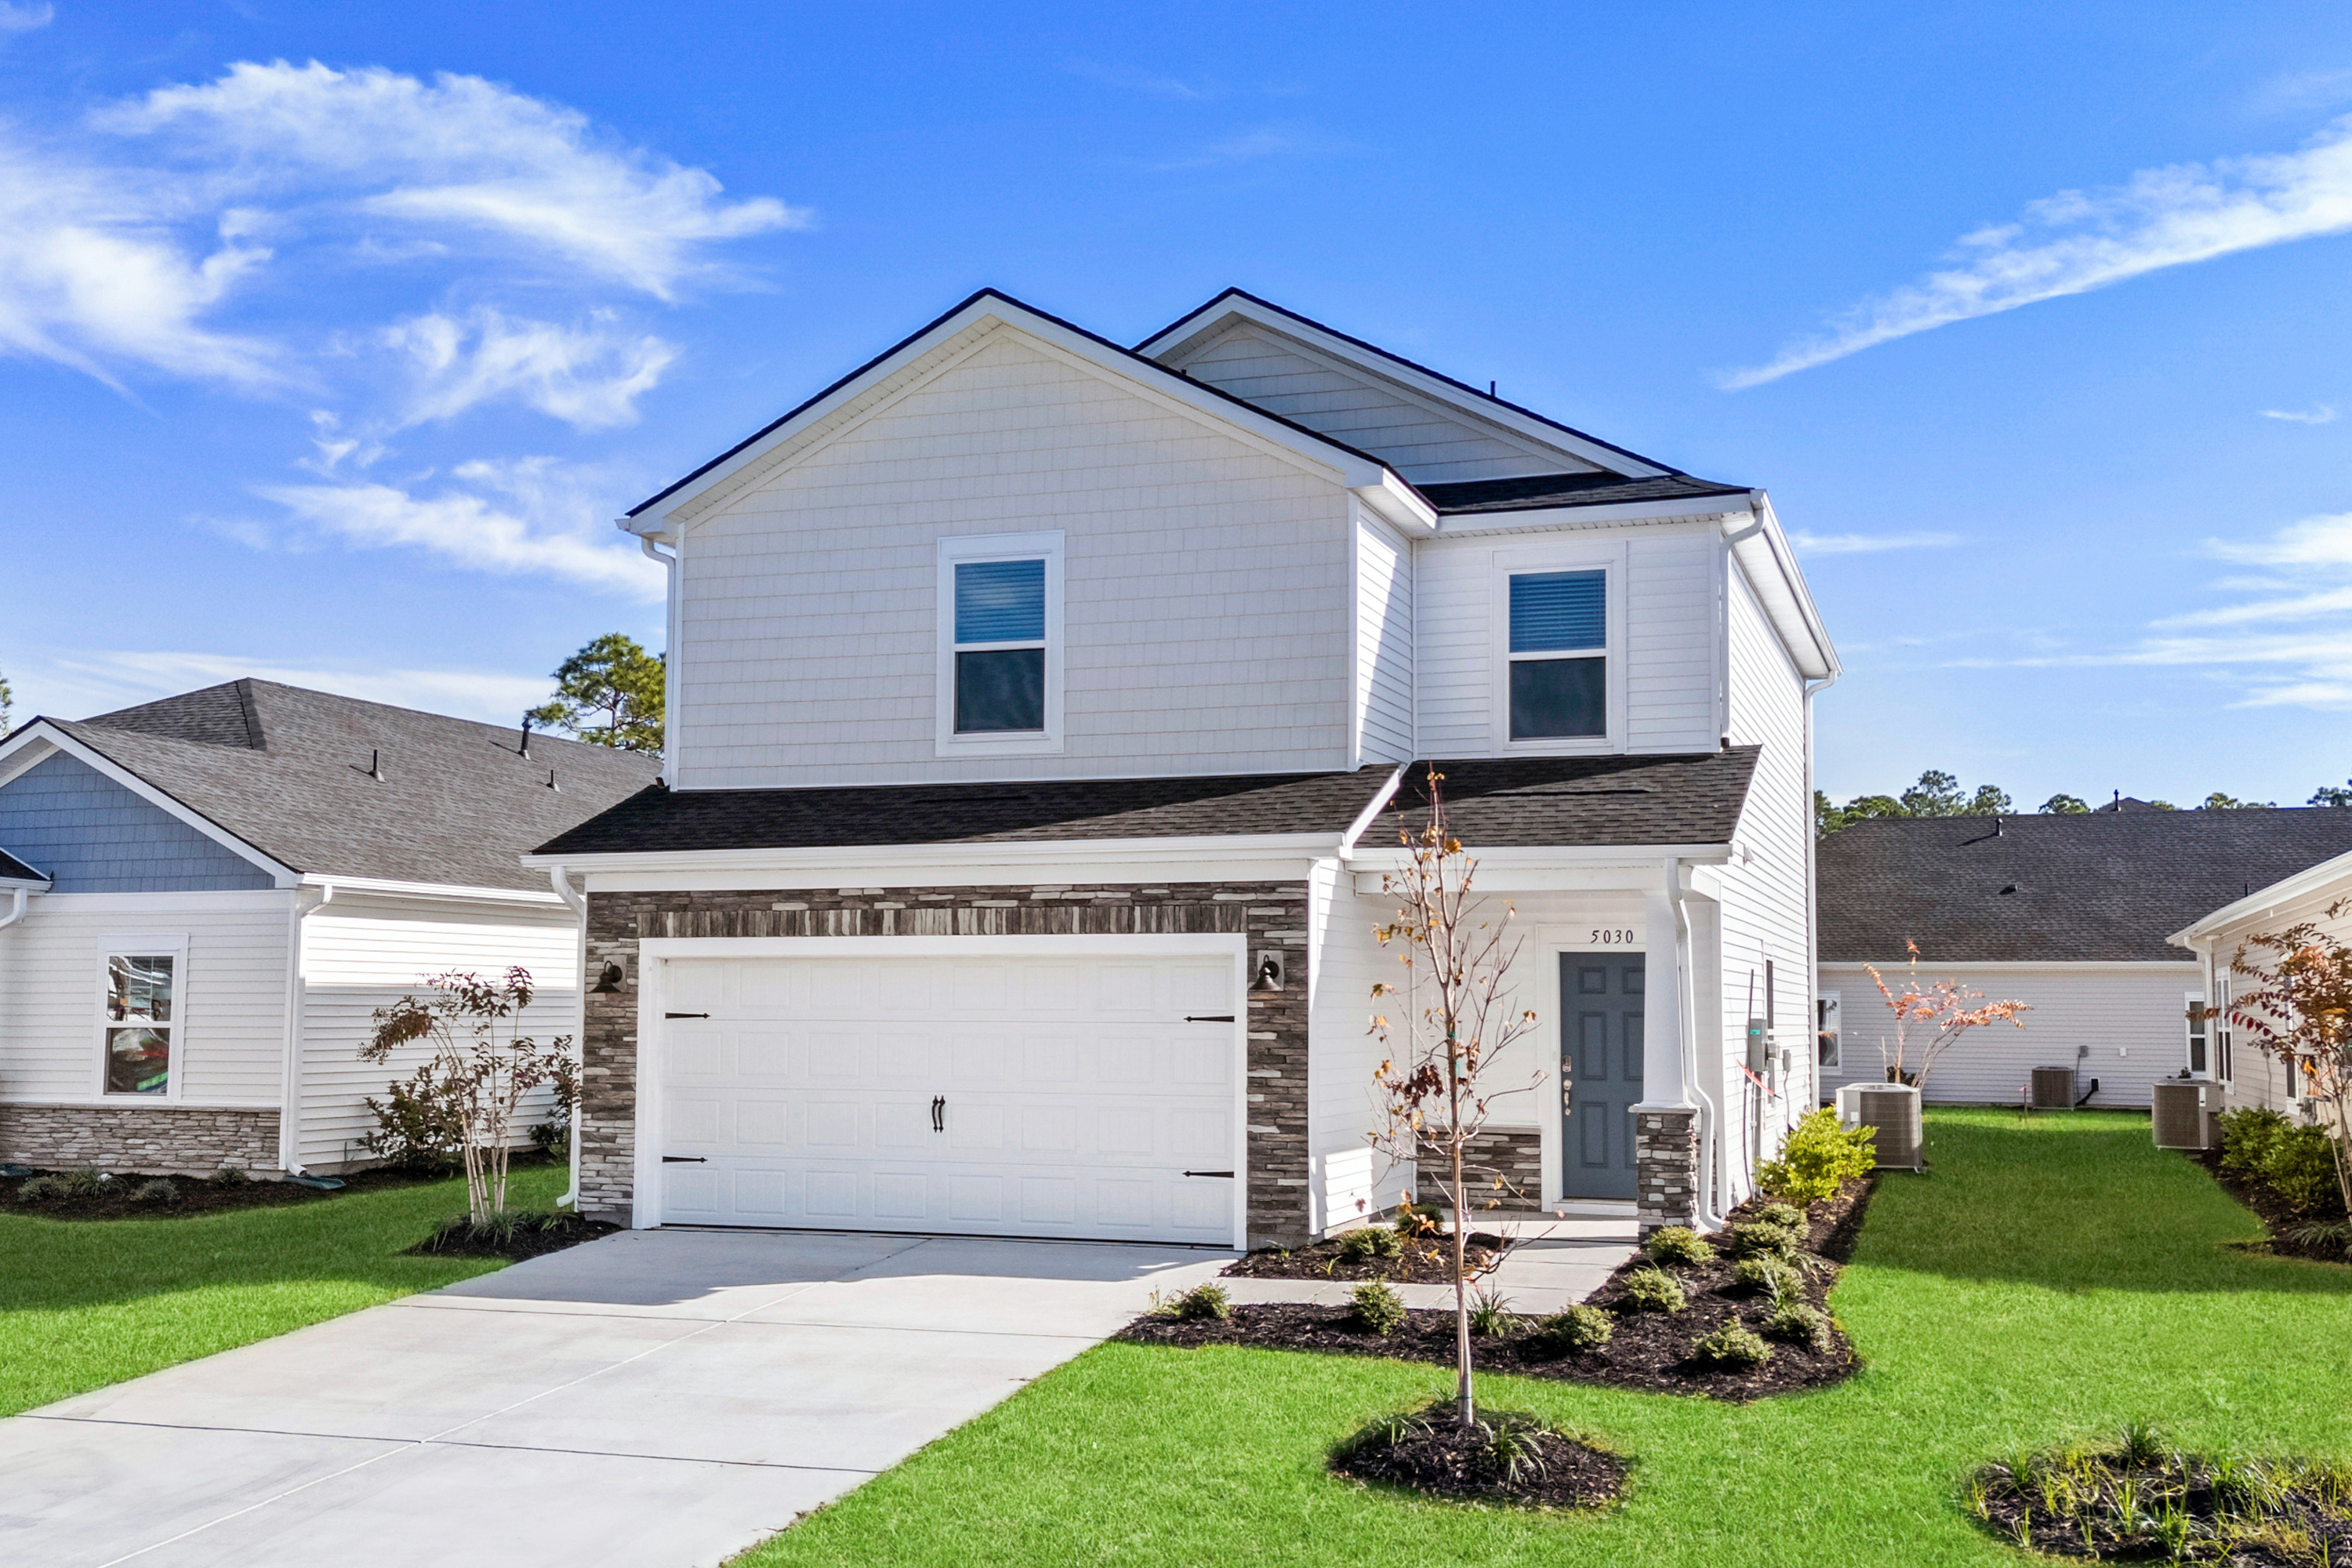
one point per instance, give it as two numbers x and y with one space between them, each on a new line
1383 644
229 1044
2255 1079
361 953
1670 644
2121 1024
1765 912
1422 439
1207 586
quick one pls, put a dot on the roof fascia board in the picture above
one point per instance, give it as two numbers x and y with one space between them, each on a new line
956 857
2304 886
2033 966
30 884
22 752
1685 508
384 888
284 875
1525 423
1354 468
1769 566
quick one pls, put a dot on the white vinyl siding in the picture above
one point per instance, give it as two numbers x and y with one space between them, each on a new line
1421 439
361 953
1668 639
1206 587
1351 1180
1383 644
2120 1024
228 1039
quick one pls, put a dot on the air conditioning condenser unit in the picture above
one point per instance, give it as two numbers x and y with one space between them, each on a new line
2054 1089
1892 1110
2183 1112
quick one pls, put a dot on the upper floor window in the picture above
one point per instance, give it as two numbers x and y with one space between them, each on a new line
1559 658
1000 643
138 1019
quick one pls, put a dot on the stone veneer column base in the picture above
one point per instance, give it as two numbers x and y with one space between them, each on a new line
1665 1168
139 1140
1513 1154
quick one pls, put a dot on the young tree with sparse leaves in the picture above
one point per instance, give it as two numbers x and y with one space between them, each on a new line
1454 1021
1931 1018
482 1067
2299 1012
608 694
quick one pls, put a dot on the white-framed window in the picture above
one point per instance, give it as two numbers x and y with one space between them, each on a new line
2294 1065
1559 673
2200 1059
1000 664
1825 1031
2220 1030
142 1016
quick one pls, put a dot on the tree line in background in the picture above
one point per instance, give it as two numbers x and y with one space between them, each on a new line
1939 794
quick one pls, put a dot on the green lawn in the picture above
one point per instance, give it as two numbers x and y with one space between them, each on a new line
2047 1280
87 1302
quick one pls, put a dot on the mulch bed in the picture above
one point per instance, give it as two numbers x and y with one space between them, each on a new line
460 1240
2090 1522
202 1195
2276 1214
1648 1351
1442 1458
1427 1260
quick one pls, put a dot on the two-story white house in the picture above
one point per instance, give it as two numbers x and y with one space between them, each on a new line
1043 714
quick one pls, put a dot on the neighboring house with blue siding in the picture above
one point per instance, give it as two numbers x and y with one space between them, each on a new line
203 900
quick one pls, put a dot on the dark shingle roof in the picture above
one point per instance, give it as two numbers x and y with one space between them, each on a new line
15 870
1534 490
286 770
2107 886
1598 799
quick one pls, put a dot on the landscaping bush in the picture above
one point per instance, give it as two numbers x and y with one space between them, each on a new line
553 1137
1761 1241
1818 1158
1370 1241
1575 1330
2301 1168
1731 1347
1677 1244
1199 1304
41 1189
2247 1136
88 1182
231 1176
1491 1316
158 1191
1788 1217
1651 1290
1765 1277
1799 1324
417 1128
1377 1307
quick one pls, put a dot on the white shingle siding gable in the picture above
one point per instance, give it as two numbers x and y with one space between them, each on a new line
1383 644
1422 439
1206 587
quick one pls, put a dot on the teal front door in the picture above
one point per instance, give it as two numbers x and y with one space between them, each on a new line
1600 1065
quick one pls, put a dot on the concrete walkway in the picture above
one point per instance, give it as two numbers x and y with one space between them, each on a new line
657 1399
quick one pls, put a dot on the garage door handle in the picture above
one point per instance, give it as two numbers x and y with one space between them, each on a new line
686 1015
1227 1174
684 1160
1208 1017
939 1113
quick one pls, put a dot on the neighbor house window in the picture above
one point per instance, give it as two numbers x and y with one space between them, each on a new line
1559 658
1000 660
141 1021
2199 1059
1825 1029
2222 1064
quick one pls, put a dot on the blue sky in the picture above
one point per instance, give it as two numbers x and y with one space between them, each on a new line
332 338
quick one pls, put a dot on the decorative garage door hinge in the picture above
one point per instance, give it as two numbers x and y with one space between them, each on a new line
684 1160
686 1015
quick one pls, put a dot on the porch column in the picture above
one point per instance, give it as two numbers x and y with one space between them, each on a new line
1665 1140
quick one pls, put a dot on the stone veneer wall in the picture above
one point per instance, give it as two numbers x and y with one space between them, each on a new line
1514 1154
1269 915
143 1139
1665 1168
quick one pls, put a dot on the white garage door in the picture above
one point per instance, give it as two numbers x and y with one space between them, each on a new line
997 1096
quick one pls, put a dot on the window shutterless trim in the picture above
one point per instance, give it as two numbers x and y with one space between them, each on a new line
142 945
975 549
1559 559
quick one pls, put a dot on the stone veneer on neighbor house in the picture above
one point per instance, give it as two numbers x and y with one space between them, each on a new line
1269 915
142 1140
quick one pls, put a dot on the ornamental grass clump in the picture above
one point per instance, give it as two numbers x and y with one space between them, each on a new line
1788 1217
1758 1240
1798 1323
1765 1277
1731 1348
1377 1307
1491 1316
1679 1245
1651 1290
158 1191
1202 1302
1370 1241
1817 1158
1577 1330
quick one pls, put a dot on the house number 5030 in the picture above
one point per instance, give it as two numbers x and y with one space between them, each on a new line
1611 936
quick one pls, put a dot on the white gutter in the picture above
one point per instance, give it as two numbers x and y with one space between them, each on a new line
18 892
391 889
579 905
933 858
308 901
1687 1004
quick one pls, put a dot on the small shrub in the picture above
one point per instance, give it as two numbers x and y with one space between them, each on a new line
1419 1219
1818 1158
1514 1446
1796 1323
1201 1304
553 1137
1370 1241
41 1189
417 1129
1379 1308
1788 1217
2301 1168
88 1182
1731 1347
1575 1330
2247 1135
1651 1290
1677 1244
1765 1277
158 1191
231 1176
1758 1240
1491 1316
2322 1233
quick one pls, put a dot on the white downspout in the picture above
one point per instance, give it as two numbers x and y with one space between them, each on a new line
1687 1004
308 901
570 895
670 671
16 906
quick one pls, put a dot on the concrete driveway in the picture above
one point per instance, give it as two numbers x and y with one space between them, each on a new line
656 1398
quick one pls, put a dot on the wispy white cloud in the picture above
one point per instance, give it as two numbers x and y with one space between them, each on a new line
94 681
2079 240
1868 543
1148 83
2319 414
1250 146
459 153
25 18
526 516
589 376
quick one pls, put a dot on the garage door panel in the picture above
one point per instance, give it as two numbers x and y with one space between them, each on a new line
1073 1096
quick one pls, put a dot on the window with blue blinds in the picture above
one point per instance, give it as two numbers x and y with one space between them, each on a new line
1557 610
1000 601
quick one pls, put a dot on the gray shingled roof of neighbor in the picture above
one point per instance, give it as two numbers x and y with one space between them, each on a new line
1693 799
1537 490
2109 886
15 870
286 770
